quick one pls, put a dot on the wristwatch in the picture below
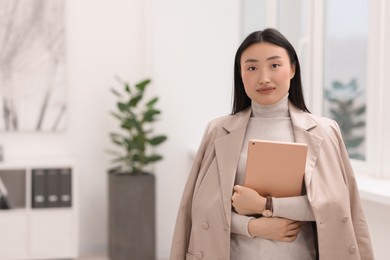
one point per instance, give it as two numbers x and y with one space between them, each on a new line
267 212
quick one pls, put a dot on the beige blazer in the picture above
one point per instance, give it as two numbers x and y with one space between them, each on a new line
204 219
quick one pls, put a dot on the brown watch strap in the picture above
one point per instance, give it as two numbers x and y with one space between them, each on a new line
267 212
268 203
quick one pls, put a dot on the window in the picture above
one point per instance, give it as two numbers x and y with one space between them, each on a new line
253 16
293 23
345 70
342 46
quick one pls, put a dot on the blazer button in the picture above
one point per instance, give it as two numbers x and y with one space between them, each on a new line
205 225
352 249
345 219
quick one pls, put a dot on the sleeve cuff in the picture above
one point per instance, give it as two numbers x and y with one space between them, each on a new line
296 208
240 224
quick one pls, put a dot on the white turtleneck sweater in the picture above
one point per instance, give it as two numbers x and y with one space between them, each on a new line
272 123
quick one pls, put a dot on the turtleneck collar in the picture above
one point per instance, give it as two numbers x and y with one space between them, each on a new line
279 109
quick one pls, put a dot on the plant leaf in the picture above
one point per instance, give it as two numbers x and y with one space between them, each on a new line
112 152
357 156
115 169
116 115
137 157
119 79
149 115
134 101
122 106
359 124
133 144
142 85
117 139
337 85
157 140
354 142
127 88
353 84
151 102
361 110
119 159
153 158
336 115
112 134
116 93
328 96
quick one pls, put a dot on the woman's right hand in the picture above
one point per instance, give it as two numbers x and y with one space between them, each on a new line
280 229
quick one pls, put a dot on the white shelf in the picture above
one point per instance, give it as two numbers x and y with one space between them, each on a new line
38 233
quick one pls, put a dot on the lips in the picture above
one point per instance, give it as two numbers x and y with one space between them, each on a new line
265 90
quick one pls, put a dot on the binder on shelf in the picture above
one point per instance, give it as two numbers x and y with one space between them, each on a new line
65 194
52 188
38 188
4 203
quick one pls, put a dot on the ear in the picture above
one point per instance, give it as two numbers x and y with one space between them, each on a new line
292 72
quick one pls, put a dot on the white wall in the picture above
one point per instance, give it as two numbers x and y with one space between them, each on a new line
103 40
377 216
193 52
187 48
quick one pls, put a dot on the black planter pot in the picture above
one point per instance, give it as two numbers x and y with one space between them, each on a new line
131 217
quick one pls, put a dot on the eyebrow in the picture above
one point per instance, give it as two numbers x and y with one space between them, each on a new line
270 58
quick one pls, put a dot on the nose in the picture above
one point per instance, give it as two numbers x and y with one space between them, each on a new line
263 77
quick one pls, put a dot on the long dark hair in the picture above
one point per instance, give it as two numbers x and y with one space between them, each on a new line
241 100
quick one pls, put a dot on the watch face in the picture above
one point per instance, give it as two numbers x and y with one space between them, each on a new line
267 213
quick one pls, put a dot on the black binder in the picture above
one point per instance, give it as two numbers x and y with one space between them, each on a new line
65 194
52 188
38 188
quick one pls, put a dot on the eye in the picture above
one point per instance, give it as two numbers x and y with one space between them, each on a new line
274 66
252 68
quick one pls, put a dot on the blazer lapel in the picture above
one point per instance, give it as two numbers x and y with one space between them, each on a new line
302 124
227 150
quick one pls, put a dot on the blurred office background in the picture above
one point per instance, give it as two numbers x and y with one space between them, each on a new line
187 48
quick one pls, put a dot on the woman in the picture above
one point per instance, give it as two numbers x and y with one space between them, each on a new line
215 218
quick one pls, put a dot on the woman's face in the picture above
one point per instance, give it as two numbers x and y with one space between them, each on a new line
266 72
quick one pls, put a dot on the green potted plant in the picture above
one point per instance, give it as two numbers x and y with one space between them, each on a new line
349 113
131 184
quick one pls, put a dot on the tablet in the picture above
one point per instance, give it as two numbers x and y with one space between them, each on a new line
275 168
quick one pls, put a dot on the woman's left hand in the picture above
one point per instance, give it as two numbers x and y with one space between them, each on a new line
247 201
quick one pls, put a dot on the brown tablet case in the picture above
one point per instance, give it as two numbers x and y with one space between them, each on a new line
275 168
